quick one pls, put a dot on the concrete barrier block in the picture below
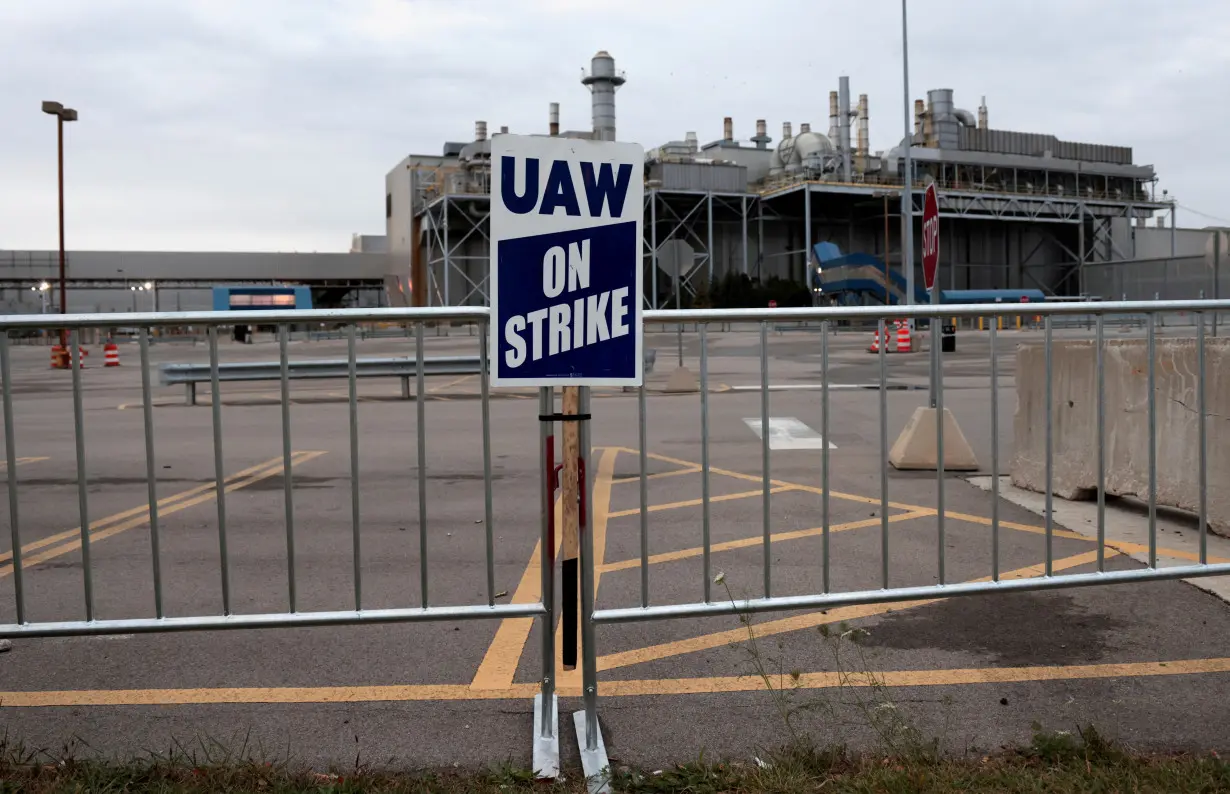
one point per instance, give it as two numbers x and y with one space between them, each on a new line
682 381
1074 417
916 448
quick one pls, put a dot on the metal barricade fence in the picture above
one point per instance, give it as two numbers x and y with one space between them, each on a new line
588 731
546 751
546 735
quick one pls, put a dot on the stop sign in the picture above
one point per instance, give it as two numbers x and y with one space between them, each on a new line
930 236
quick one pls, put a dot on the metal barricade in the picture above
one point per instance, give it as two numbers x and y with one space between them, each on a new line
546 739
588 731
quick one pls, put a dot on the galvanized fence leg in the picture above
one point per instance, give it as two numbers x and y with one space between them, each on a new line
589 735
546 703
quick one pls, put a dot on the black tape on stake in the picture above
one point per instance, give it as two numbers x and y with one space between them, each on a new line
571 589
564 417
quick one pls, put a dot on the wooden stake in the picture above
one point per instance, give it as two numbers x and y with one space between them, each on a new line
570 489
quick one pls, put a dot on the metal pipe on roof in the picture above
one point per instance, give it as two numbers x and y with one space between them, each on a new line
804 127
553 120
762 139
480 130
982 115
834 132
864 135
843 122
786 130
920 112
602 81
728 129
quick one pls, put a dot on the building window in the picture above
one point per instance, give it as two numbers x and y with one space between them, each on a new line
388 205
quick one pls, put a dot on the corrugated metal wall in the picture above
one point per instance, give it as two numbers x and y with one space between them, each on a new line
701 176
1034 144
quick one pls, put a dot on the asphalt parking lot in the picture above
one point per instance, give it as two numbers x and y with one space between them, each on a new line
1146 663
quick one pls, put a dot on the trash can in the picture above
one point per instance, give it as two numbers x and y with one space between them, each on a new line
948 339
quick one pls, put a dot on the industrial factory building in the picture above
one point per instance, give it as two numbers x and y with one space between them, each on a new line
818 213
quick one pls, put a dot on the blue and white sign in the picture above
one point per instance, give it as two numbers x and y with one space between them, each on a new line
566 262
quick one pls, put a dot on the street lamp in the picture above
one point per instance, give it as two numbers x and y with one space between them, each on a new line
62 115
42 290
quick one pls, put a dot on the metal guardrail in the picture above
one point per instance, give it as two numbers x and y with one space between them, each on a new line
404 368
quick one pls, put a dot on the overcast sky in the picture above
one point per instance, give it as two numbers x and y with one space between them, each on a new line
270 124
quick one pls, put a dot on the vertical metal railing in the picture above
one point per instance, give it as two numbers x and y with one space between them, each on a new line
766 462
151 470
10 463
994 356
488 509
352 400
706 541
644 492
288 484
1050 451
883 361
215 410
824 451
83 504
1152 420
420 407
546 545
589 653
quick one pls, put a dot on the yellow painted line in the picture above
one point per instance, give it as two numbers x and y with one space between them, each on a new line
757 540
21 462
810 620
730 497
451 383
911 678
660 475
780 483
163 504
142 517
973 519
499 663
673 686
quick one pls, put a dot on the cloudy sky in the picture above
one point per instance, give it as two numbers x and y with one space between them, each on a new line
270 124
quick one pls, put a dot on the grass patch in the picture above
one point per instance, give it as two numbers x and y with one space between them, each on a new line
1054 762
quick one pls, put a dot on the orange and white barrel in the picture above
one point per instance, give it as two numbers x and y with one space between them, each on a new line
111 355
903 337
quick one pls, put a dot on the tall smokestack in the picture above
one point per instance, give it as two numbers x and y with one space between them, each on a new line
728 129
843 124
804 127
786 130
553 119
602 81
480 130
920 110
982 114
834 129
761 138
864 135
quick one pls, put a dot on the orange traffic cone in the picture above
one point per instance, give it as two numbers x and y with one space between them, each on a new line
903 338
875 343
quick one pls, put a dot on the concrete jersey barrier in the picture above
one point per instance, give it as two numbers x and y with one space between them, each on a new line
1127 422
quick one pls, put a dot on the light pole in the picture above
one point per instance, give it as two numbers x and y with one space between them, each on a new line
42 290
907 192
62 115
